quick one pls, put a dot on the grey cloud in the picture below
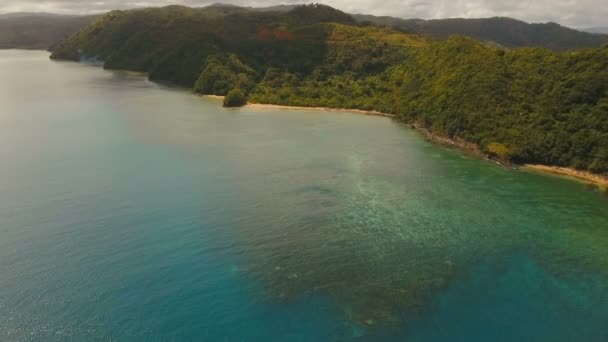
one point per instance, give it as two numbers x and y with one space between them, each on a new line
574 13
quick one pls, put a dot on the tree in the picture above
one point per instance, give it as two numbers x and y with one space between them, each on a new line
235 98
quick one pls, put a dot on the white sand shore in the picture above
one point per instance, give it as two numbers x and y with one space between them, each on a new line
564 171
324 109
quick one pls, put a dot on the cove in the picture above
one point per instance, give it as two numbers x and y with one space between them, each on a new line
134 211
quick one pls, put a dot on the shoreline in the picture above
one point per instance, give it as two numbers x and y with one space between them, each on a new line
583 176
323 109
253 105
465 146
456 143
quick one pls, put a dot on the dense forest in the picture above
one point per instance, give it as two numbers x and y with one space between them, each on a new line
525 105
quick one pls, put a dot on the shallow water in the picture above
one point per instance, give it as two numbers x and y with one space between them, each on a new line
132 211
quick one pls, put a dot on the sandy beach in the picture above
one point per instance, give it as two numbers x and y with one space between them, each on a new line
571 173
324 109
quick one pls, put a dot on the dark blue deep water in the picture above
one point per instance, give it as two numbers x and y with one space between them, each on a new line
134 212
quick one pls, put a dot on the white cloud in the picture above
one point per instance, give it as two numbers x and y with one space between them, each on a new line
574 13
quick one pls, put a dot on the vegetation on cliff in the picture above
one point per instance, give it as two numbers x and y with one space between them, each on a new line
527 105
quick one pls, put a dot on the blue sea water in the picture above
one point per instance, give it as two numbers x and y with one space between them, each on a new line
135 212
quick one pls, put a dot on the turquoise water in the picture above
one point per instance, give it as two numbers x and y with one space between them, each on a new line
133 211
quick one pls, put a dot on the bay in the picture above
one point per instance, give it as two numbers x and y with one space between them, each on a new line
134 211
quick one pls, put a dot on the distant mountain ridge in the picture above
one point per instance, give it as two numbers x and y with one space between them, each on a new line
507 32
600 30
36 14
38 30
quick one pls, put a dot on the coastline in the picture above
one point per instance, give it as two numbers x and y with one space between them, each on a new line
218 97
252 105
324 109
465 146
457 143
579 175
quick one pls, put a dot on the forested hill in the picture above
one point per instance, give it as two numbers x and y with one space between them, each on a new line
525 105
38 30
42 30
506 32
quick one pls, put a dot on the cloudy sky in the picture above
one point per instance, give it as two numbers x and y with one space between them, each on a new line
574 13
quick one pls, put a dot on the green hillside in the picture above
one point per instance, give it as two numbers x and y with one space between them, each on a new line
526 105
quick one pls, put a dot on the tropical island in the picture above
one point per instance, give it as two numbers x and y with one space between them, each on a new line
521 105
